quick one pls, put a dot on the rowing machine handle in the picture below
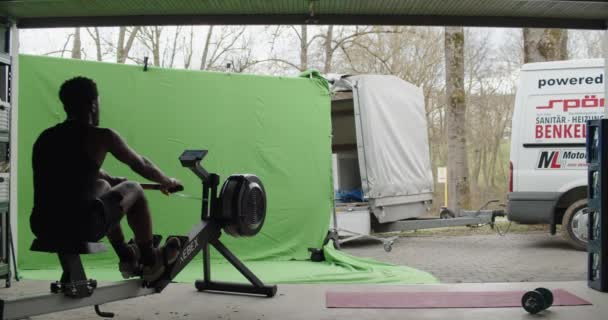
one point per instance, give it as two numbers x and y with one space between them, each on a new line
156 186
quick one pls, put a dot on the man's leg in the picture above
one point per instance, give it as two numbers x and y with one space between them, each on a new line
130 199
134 204
128 254
115 234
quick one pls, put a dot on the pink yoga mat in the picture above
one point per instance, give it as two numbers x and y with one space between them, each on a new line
426 300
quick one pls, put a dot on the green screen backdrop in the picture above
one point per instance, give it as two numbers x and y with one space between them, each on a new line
275 127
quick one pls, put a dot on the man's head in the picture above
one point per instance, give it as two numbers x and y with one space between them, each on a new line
80 99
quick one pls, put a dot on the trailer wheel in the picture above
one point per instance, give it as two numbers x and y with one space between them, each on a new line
575 227
446 213
388 246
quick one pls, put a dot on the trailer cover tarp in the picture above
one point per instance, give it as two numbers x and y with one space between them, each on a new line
392 136
275 127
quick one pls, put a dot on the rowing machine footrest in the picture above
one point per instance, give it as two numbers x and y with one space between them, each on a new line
75 289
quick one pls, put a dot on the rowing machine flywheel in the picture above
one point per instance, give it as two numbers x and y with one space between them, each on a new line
243 205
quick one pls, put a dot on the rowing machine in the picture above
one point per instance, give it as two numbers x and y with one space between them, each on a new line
239 210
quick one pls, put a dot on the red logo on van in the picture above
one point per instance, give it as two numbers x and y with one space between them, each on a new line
548 160
567 104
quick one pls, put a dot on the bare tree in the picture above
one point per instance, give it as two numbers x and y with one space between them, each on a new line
458 172
126 37
206 48
245 60
304 44
545 45
188 45
329 49
94 34
490 95
76 45
174 47
584 44
345 37
414 54
63 49
150 37
318 47
223 46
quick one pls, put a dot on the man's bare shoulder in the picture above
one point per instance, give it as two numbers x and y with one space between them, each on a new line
106 133
108 137
46 134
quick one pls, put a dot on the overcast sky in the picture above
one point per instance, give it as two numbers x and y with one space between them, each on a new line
43 41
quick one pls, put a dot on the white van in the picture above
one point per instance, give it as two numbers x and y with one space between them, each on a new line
548 181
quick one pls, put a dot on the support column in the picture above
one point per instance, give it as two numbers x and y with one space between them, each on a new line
14 94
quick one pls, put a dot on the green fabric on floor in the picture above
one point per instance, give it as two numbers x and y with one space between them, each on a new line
275 127
339 268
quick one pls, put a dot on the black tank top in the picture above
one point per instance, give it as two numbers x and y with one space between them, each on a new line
64 175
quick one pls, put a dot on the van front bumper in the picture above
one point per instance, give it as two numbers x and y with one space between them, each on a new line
532 207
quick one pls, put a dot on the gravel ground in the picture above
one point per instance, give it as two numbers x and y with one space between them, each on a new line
535 256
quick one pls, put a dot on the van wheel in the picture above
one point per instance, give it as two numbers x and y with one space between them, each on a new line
575 225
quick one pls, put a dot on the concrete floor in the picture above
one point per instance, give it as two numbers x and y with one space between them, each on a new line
306 302
530 257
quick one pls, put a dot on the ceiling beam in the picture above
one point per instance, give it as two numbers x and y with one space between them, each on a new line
419 20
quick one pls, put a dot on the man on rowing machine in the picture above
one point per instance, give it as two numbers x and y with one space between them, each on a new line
76 201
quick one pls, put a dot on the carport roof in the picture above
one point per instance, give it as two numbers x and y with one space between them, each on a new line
589 14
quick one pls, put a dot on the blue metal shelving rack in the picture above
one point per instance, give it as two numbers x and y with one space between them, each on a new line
597 160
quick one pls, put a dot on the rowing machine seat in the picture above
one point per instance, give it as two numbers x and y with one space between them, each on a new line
42 245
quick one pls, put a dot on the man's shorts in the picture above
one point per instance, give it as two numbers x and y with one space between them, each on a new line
90 222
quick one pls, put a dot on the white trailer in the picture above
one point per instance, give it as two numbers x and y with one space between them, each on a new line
380 146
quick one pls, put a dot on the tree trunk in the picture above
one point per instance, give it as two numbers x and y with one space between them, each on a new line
156 45
304 48
542 45
458 171
76 45
97 40
122 48
189 49
206 48
478 156
329 53
120 55
174 47
98 44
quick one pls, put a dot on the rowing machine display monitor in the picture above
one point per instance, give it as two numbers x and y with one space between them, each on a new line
191 159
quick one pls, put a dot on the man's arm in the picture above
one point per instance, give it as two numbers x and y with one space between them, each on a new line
141 165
